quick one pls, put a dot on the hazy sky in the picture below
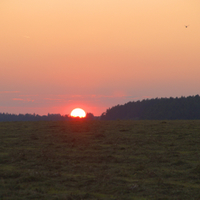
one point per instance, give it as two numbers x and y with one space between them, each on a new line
56 55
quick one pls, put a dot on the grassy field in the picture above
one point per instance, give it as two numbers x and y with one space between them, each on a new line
100 160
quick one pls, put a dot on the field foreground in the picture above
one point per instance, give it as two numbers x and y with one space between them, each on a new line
100 160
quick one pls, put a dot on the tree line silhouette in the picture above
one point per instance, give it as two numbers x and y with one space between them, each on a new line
33 117
150 109
156 109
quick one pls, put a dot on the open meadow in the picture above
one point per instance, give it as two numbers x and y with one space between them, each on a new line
84 159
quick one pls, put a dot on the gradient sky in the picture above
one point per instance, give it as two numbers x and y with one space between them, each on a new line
56 55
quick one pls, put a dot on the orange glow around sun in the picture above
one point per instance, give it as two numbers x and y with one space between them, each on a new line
78 112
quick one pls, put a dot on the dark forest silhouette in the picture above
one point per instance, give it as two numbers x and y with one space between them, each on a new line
33 117
158 109
150 109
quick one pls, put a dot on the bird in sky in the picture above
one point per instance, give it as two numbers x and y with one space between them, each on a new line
186 26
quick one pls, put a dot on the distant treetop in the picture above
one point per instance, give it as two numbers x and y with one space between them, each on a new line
157 109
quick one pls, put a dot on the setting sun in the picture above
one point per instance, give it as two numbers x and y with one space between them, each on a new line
78 112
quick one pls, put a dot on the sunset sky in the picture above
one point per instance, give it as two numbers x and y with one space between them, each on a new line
56 55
